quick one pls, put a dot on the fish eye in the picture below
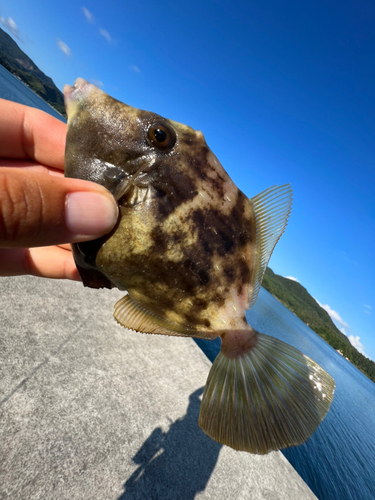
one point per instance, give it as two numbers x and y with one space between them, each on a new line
161 136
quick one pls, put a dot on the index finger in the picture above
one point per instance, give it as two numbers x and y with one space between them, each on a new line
28 133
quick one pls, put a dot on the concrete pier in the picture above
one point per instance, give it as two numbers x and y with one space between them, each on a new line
89 410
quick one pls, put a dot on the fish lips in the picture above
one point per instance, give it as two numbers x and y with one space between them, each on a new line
74 94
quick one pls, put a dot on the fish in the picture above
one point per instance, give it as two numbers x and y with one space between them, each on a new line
190 250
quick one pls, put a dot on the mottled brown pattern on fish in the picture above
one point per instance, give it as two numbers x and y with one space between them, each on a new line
186 232
152 280
172 192
187 288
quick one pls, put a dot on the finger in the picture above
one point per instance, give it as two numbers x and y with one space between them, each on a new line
66 246
28 133
46 262
30 165
52 262
42 210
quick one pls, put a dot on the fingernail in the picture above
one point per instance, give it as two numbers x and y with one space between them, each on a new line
90 214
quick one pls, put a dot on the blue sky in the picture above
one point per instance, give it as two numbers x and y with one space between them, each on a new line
283 92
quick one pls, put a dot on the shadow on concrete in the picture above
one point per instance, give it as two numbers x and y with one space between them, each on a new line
176 464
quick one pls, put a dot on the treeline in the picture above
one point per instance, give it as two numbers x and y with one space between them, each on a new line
19 64
298 300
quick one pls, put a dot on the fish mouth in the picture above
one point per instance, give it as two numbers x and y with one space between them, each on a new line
76 93
78 90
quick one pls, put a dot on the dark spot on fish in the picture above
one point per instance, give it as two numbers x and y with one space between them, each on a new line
207 248
213 241
219 299
244 272
160 240
200 304
227 241
202 275
196 157
159 193
217 187
190 318
177 188
198 217
229 273
245 229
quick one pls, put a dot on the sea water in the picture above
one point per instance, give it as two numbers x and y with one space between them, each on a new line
12 89
338 461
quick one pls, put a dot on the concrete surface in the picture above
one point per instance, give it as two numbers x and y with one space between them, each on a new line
89 410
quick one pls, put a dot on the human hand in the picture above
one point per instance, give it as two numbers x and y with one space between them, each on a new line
41 210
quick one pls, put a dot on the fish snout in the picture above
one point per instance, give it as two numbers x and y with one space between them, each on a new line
80 90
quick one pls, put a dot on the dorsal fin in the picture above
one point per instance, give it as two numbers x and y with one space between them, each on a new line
135 317
271 208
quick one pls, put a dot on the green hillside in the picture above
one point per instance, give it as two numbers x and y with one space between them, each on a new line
298 300
19 64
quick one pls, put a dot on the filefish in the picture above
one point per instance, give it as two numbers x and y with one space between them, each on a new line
190 249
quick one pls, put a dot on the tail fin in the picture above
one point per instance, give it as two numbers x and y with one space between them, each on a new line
271 397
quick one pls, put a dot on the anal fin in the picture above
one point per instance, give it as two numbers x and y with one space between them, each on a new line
132 315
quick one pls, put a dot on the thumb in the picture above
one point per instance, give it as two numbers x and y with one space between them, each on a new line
37 209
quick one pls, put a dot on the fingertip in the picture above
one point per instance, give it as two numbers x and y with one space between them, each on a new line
90 214
41 210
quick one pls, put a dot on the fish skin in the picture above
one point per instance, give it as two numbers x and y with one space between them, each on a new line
184 216
191 249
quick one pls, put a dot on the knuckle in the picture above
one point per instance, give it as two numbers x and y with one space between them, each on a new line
20 207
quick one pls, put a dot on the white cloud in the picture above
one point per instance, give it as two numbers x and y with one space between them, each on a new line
106 35
334 315
367 306
292 278
368 309
64 48
135 69
11 26
88 15
354 340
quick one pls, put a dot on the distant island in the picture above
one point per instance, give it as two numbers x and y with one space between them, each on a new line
20 65
298 300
